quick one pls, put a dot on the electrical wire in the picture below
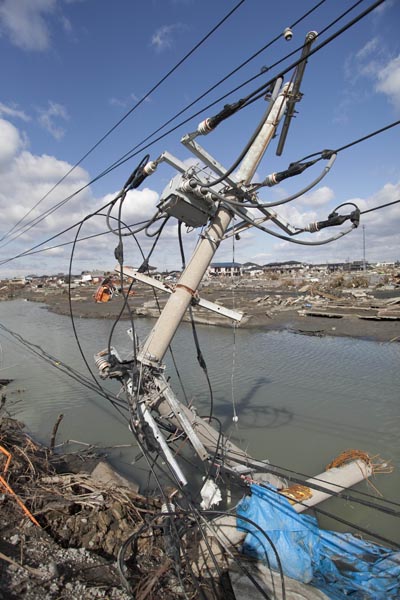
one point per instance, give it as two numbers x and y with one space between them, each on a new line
364 212
199 518
65 369
239 204
213 87
344 147
71 313
270 82
78 223
343 494
130 154
249 99
367 137
138 103
121 197
352 143
260 91
291 240
176 115
37 350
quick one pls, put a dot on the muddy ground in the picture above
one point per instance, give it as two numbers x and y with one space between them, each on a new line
264 307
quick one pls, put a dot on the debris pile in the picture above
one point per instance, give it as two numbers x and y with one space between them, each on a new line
82 526
68 535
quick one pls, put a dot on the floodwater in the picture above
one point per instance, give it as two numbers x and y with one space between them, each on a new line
300 400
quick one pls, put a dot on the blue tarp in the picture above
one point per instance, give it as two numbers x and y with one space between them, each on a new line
339 564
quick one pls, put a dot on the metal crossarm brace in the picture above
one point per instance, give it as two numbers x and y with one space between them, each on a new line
185 423
217 308
147 416
210 161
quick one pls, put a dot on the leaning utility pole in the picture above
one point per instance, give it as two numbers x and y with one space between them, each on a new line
185 290
208 198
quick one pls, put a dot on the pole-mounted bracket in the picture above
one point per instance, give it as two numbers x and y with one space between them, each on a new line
159 285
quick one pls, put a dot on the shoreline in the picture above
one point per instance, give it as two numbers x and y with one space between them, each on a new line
257 315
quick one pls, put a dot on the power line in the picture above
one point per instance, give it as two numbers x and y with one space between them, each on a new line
213 87
367 137
138 103
323 44
34 249
257 94
64 368
363 212
131 153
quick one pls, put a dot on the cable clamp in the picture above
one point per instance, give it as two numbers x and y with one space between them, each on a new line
193 293
210 238
326 154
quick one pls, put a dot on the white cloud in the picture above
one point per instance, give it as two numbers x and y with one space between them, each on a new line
296 217
27 178
11 142
13 111
319 197
389 81
23 21
369 48
138 205
381 232
47 119
127 101
25 181
162 39
373 62
66 24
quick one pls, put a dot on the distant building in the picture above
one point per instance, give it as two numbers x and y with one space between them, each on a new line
18 282
231 269
292 266
348 266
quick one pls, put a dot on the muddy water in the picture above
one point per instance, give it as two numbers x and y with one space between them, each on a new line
300 400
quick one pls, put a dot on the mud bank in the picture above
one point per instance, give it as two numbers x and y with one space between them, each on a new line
263 308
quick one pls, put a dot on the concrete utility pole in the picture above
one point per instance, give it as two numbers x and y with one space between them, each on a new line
164 330
191 198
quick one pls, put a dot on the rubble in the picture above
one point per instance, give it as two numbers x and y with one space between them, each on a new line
366 301
82 524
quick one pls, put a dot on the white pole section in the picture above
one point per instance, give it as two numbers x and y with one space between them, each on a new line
164 330
334 480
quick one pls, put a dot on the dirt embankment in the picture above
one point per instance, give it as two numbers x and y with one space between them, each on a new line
308 310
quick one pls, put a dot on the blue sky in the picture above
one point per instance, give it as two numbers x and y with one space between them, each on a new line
72 68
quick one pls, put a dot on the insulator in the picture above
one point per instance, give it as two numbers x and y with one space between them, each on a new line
204 127
311 35
150 167
270 180
313 227
189 185
102 363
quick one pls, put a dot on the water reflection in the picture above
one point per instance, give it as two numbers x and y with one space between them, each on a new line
300 400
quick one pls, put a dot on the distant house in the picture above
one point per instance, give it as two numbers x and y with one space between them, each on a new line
252 270
292 266
18 282
231 269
